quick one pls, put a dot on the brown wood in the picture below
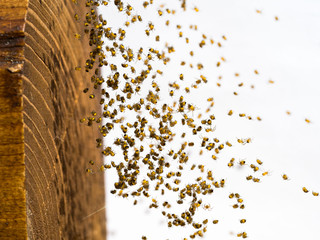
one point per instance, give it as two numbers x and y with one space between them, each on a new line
45 192
12 166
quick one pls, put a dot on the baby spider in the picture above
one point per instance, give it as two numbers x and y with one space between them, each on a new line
207 207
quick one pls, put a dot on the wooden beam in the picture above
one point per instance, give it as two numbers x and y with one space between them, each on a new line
45 192
12 166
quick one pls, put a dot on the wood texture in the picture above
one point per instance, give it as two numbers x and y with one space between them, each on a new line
44 149
12 167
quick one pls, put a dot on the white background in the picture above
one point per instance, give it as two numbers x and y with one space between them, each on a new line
285 51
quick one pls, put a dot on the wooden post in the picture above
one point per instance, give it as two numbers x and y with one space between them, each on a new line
45 192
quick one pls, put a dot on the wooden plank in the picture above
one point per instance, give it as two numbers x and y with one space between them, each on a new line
12 167
45 192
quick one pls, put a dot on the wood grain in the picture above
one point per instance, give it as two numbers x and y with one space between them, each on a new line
12 166
44 149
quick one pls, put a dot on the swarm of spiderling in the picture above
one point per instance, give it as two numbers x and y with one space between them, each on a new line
151 155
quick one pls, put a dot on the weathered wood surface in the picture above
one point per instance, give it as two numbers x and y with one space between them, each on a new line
45 192
12 166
